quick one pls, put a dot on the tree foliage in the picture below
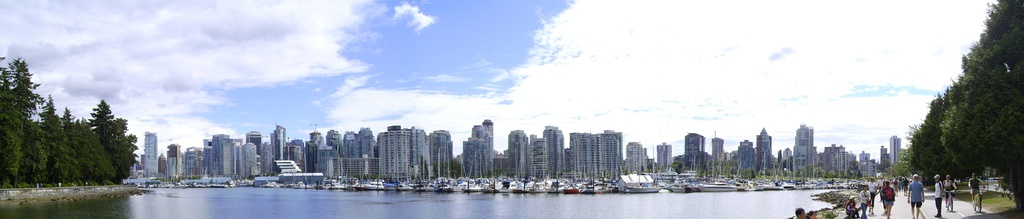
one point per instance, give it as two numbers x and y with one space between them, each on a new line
49 149
978 122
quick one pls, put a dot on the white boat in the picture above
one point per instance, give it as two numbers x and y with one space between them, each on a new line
405 187
788 186
634 183
299 185
717 187
375 185
270 184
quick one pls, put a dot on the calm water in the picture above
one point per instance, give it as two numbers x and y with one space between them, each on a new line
293 203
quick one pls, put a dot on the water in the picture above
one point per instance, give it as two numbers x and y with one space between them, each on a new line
294 203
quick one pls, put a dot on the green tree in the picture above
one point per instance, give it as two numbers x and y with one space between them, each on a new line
72 150
54 141
112 133
982 123
18 103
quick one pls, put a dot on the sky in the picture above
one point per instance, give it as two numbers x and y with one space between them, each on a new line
857 72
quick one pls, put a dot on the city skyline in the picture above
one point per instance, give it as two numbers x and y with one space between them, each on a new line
654 73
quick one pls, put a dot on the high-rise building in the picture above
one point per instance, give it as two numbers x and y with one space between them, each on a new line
173 160
895 144
162 165
636 157
326 156
538 158
248 160
664 156
279 142
256 138
718 149
804 151
192 165
266 159
478 151
611 153
394 145
786 154
440 153
519 153
554 142
334 139
585 159
693 150
367 144
864 156
221 156
348 142
419 152
763 145
835 158
746 155
884 157
316 141
151 167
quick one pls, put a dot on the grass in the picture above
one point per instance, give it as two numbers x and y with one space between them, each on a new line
993 201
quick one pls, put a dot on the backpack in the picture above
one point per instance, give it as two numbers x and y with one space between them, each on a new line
888 194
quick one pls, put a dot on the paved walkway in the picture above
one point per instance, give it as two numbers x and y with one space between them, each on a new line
901 209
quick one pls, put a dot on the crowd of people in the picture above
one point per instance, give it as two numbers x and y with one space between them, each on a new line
863 204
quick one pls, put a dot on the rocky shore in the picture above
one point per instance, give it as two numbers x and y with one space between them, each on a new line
837 198
23 196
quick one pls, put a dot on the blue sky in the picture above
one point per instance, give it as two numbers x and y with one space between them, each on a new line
654 70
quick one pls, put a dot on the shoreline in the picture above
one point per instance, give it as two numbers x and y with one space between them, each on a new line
35 195
837 198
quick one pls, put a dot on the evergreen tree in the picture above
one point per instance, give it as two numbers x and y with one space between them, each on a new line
55 143
18 104
74 153
112 135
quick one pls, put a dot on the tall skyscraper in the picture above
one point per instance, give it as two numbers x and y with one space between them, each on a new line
636 157
585 160
223 156
367 144
718 149
279 142
664 156
192 165
764 151
519 152
334 140
554 142
804 151
316 141
248 160
747 156
152 169
419 152
441 153
864 156
895 144
693 150
538 158
173 160
478 151
611 153
256 138
267 158
394 153
162 166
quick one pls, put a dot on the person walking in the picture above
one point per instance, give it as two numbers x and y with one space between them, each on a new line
950 187
906 186
872 188
938 195
915 197
864 196
888 195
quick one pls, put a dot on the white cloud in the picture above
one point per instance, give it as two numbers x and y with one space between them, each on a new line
161 63
445 78
657 73
417 20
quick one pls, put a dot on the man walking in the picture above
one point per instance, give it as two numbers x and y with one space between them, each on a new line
938 195
872 188
916 196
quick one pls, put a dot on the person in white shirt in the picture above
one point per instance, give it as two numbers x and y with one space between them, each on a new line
873 189
864 196
938 195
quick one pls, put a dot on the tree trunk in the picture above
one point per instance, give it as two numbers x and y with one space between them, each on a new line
1015 183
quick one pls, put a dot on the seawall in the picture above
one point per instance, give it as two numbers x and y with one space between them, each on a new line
21 196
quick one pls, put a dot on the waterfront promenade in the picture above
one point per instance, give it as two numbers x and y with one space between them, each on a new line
961 209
